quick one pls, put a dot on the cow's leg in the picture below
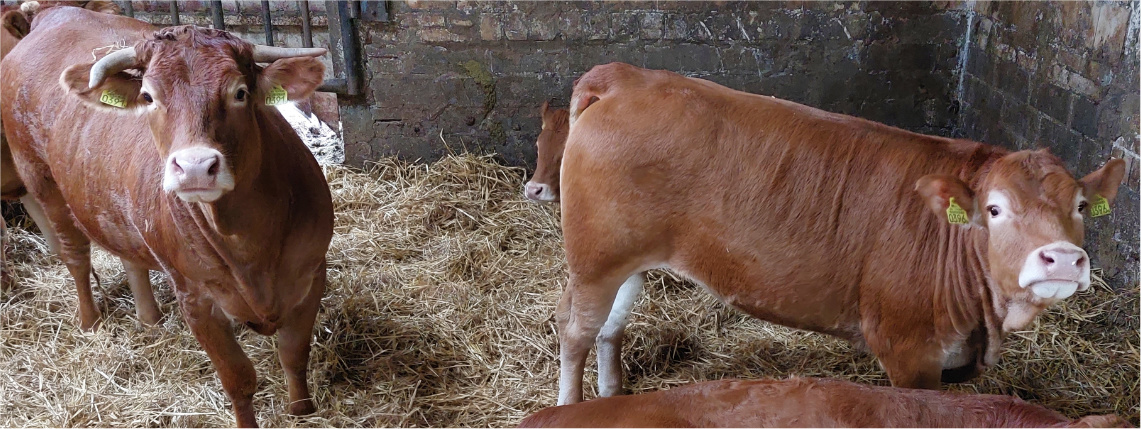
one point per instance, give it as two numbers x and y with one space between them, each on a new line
146 309
609 339
909 362
36 211
74 250
212 329
294 340
74 246
582 311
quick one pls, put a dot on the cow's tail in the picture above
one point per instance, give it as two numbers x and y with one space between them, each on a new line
591 87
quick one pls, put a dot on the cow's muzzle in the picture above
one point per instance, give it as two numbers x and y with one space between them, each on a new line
539 192
197 175
1056 270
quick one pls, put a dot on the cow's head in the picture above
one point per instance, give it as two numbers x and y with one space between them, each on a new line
544 185
1033 210
200 90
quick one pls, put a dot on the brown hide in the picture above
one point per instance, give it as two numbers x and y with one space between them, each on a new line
804 218
806 402
255 255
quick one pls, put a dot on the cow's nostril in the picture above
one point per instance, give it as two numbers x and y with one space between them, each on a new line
1081 261
213 170
177 168
1046 258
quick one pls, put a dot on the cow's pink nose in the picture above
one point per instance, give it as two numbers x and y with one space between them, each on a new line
195 164
1063 259
535 190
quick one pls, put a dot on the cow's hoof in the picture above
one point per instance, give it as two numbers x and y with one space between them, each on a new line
150 318
302 408
89 323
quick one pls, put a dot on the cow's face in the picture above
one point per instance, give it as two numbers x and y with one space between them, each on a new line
1033 211
544 185
200 91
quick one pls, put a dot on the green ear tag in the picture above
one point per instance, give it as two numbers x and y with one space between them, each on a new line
276 96
956 214
111 98
1099 206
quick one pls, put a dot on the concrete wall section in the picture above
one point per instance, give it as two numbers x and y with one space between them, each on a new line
474 73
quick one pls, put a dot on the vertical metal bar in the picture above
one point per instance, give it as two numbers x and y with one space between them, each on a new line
268 23
216 15
355 10
306 26
349 48
130 8
174 13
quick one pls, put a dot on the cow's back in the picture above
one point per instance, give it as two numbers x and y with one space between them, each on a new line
761 199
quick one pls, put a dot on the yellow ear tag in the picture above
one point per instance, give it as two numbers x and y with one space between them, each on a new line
276 96
956 214
1099 206
111 98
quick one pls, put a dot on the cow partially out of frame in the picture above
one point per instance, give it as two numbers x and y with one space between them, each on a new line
924 250
808 402
165 152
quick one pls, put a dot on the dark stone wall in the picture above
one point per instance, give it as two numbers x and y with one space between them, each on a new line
474 73
1063 76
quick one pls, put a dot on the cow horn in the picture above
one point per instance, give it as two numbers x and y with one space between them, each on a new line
269 54
112 63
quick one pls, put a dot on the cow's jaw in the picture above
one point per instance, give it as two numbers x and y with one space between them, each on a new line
1055 271
197 175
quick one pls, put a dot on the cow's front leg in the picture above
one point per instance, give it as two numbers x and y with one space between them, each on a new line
909 362
212 329
294 340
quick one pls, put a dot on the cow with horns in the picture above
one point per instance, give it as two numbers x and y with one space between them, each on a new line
166 154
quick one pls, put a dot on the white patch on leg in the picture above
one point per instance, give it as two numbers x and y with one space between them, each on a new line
609 338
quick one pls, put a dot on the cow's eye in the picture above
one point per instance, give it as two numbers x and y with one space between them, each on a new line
994 210
1082 206
241 95
147 98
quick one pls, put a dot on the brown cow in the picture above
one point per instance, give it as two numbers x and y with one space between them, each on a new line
807 402
544 184
165 154
812 220
15 27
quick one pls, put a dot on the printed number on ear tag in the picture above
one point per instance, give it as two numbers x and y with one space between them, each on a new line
1099 207
276 96
956 214
111 98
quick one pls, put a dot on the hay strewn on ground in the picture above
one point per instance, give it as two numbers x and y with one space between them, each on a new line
442 287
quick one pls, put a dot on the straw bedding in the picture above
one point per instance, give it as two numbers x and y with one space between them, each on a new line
439 312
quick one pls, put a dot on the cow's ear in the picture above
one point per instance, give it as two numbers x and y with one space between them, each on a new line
1105 180
948 197
117 93
299 77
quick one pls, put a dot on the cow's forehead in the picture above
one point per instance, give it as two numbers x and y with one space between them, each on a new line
1034 178
200 56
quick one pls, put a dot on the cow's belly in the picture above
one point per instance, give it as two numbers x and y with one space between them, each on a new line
824 311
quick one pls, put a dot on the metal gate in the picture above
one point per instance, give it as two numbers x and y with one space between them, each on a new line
341 17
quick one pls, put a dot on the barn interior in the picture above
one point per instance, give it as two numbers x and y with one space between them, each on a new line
443 279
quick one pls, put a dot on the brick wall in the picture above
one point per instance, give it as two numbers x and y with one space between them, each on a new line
474 73
1062 75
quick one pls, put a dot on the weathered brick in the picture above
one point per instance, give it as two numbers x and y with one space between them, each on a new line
490 26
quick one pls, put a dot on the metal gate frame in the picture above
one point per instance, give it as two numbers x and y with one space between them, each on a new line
342 15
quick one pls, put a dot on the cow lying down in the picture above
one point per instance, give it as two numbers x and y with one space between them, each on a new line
807 402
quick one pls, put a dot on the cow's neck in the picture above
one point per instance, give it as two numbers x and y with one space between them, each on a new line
965 293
